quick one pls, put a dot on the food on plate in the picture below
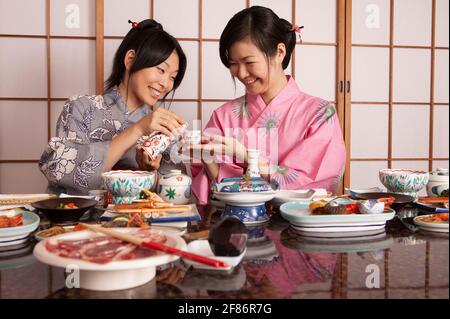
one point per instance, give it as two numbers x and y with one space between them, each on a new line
11 221
435 218
154 205
53 231
246 186
104 249
317 204
433 200
67 206
58 230
321 208
127 220
146 194
388 201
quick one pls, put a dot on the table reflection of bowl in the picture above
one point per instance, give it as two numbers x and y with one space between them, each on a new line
262 250
125 186
404 181
364 241
215 281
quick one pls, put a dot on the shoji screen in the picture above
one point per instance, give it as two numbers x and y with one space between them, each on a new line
47 54
399 96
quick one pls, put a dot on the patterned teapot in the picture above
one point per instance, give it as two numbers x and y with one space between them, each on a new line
175 187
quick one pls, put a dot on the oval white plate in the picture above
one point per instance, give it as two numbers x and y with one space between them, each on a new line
299 214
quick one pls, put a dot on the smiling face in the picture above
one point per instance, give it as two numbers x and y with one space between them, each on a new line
148 85
251 66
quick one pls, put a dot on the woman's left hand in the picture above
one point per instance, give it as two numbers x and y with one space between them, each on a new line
224 145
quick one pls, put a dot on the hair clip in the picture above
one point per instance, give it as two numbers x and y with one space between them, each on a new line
295 28
133 24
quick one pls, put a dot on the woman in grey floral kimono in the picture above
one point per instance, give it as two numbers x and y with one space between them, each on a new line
98 133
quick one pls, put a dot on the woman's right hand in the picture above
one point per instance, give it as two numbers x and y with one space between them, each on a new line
161 120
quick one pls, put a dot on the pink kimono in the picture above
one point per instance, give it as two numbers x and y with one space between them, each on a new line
298 134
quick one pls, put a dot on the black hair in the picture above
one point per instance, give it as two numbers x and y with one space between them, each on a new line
264 28
152 45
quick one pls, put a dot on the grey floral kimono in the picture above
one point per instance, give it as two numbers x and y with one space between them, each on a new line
73 161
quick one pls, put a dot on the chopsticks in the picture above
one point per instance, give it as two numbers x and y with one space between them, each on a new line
157 246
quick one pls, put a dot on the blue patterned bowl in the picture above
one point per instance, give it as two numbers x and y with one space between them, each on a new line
404 181
125 186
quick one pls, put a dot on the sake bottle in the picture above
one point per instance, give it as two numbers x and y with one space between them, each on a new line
253 167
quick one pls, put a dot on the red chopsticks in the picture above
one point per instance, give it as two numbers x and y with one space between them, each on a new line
174 251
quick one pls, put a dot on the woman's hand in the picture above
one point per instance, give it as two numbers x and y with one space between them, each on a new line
161 120
221 145
144 161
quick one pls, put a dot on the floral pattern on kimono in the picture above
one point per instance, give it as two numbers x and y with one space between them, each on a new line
74 159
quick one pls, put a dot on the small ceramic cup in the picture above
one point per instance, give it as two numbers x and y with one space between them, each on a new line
101 196
438 184
193 137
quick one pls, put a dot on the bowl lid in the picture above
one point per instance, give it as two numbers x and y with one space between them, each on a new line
175 178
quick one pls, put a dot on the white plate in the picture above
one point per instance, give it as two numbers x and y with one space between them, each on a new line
202 247
299 215
19 234
245 198
14 241
115 275
433 227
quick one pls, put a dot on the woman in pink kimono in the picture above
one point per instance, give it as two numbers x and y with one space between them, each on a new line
298 135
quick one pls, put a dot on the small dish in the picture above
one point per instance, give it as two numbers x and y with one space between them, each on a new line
286 195
355 192
41 235
202 247
371 206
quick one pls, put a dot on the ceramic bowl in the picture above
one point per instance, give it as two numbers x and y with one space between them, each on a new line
64 216
438 184
175 187
404 181
125 186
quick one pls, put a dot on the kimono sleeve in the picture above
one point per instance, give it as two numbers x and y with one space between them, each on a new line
73 160
317 161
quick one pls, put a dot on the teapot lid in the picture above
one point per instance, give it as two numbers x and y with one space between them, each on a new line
175 178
